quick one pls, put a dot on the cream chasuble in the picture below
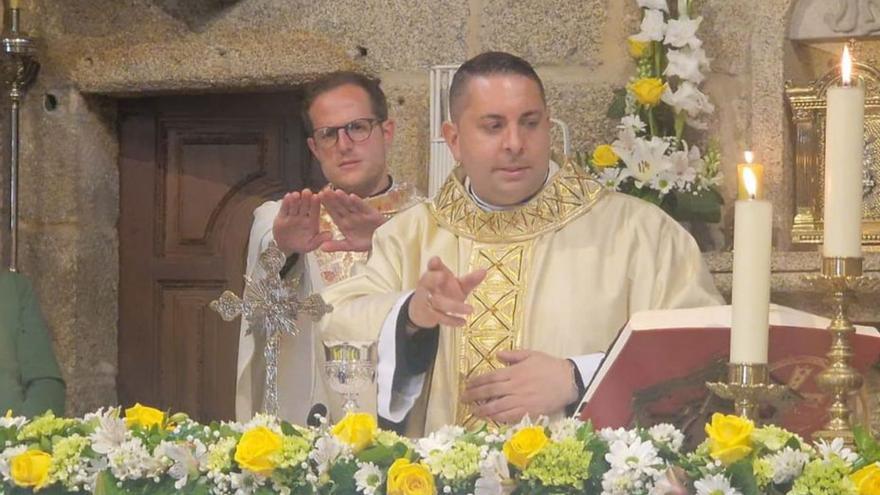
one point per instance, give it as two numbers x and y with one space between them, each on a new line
300 383
565 271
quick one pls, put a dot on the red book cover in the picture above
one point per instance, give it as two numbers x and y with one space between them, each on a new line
659 375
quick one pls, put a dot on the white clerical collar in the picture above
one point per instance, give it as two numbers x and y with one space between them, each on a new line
486 206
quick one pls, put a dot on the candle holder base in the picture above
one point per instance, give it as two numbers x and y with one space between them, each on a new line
747 385
842 279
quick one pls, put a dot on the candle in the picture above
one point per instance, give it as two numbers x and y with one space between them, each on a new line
757 169
13 4
844 153
753 226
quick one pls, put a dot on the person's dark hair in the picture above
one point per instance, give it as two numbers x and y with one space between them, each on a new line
487 64
334 80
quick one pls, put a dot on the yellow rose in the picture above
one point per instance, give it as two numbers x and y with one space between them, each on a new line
143 416
648 90
867 480
604 156
638 49
406 478
258 450
524 445
31 468
356 429
730 438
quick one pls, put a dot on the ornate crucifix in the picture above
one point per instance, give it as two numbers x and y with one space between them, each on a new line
270 305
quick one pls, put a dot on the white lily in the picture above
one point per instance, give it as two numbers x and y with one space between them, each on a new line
653 27
683 32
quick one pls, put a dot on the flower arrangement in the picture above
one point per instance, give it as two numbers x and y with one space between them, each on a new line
651 158
147 451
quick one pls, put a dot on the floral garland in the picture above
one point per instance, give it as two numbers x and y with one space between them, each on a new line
651 158
148 451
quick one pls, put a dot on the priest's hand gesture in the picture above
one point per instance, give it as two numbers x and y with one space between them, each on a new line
355 219
533 383
439 298
297 225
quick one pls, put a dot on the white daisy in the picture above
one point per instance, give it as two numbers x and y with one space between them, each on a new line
787 464
639 456
368 478
667 434
716 484
632 122
565 428
611 435
611 177
836 448
439 441
620 482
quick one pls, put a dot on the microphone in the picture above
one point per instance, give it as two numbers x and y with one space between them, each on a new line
317 410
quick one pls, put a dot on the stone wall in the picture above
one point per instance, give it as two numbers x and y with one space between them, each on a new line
95 51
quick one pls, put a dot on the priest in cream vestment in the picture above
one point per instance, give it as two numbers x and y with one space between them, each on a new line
323 234
479 297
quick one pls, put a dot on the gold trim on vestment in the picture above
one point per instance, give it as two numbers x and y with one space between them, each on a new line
497 321
569 194
338 265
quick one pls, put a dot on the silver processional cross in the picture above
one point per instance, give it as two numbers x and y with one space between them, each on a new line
270 305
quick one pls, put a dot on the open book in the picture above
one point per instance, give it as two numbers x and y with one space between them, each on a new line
656 371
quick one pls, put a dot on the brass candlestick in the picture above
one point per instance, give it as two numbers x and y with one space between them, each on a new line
842 278
747 386
20 48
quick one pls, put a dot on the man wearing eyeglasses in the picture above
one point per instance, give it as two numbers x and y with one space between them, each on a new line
324 234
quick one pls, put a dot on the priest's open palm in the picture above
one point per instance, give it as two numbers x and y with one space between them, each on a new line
439 298
355 219
297 225
533 383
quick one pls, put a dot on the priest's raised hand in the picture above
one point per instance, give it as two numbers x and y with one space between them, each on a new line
296 227
439 298
355 219
533 383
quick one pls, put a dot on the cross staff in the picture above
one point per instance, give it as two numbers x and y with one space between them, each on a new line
272 305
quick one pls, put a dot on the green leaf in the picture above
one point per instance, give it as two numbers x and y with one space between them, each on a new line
704 206
868 448
617 109
106 485
378 454
743 477
288 430
342 474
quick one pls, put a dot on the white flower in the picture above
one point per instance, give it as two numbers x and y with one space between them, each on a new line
836 448
687 63
716 484
327 449
611 435
246 482
667 434
611 177
493 472
566 427
653 27
439 441
265 420
683 32
621 482
687 98
10 421
187 460
368 478
131 461
110 434
646 159
639 456
654 4
6 457
787 464
632 122
682 172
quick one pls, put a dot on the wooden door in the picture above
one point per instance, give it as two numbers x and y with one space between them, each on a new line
192 170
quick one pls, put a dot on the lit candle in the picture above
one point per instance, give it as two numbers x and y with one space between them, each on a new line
844 153
752 235
758 170
13 4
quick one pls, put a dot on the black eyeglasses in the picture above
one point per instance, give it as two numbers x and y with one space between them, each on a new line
358 130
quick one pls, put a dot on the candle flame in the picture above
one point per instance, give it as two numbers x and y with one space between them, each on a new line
749 157
846 67
750 181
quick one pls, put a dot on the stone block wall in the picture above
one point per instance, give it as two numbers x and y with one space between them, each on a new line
96 51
